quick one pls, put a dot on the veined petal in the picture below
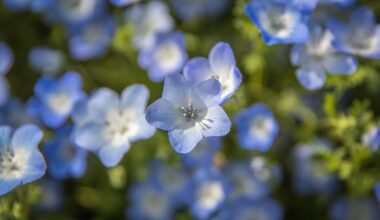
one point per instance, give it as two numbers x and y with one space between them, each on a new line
177 89
5 134
163 115
311 78
197 70
341 64
222 59
216 123
111 156
209 91
102 101
26 137
184 141
136 97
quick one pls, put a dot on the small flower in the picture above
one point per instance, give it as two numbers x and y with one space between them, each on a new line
64 159
372 138
257 127
45 60
358 36
166 56
91 40
220 65
317 56
278 22
113 123
143 17
20 160
203 154
54 99
6 58
352 209
189 112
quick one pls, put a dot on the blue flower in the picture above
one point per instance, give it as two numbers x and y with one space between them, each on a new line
143 18
20 160
6 58
45 60
210 193
278 22
147 201
55 98
257 127
203 154
317 56
91 40
244 209
309 174
189 112
358 36
166 56
220 65
353 209
372 138
113 123
63 157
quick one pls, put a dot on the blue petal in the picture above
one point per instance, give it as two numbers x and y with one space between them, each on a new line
36 168
5 134
216 123
222 59
209 91
177 89
102 101
6 58
44 86
136 97
375 51
163 114
89 136
184 141
26 137
341 64
7 185
367 19
111 156
145 130
197 70
311 78
50 118
70 81
4 90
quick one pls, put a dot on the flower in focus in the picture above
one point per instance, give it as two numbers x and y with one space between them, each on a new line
45 60
113 123
354 209
189 112
220 65
20 160
278 22
358 36
317 56
166 56
257 127
372 138
63 158
145 22
54 99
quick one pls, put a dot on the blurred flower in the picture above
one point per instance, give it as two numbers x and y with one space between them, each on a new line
189 112
6 58
306 5
54 99
358 36
114 123
121 3
257 127
64 159
354 209
194 9
91 40
203 154
317 56
372 138
145 23
309 174
41 5
166 56
4 90
244 209
45 60
340 3
220 65
210 192
20 160
278 22
14 114
17 5
149 202
266 172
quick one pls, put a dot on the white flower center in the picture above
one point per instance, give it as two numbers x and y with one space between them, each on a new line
60 103
279 20
78 8
120 126
12 164
210 194
261 127
168 56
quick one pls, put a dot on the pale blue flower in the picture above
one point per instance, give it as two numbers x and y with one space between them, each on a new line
20 160
372 138
220 65
6 58
340 3
189 112
114 122
43 59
